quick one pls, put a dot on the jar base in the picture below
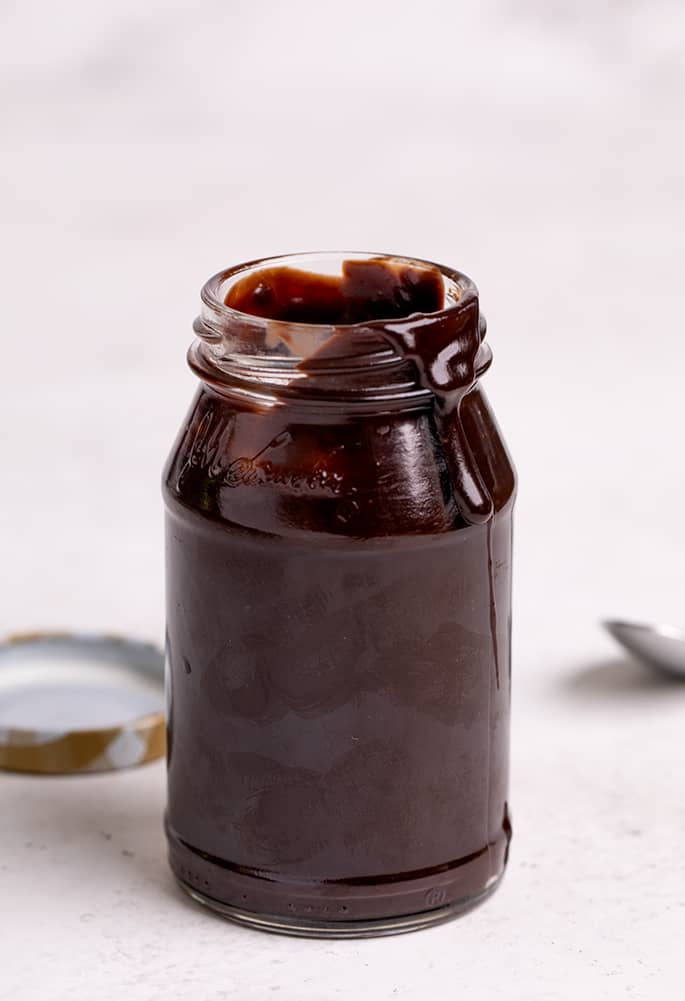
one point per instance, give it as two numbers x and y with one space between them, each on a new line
335 908
313 928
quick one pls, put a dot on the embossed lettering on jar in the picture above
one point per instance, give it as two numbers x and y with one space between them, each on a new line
339 504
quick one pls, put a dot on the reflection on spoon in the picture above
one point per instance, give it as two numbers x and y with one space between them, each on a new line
660 647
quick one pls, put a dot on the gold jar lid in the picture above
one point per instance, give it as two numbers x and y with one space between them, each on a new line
75 702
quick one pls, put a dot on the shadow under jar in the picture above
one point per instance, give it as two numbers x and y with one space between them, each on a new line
339 506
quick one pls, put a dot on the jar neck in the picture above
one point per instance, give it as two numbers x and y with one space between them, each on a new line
404 362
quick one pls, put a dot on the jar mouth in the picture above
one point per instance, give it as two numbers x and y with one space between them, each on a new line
366 364
231 332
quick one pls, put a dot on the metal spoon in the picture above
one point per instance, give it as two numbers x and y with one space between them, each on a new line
660 647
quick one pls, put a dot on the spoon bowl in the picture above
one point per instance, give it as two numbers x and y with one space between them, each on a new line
661 647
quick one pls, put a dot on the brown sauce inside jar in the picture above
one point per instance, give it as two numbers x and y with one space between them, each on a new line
366 290
338 627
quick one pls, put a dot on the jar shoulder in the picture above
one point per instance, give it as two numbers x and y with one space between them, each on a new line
286 472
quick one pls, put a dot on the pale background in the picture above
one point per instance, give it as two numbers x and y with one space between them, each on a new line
537 145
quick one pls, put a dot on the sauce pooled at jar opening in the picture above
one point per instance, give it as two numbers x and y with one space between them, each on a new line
375 289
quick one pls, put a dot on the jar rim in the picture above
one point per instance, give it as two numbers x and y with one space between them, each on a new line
266 360
222 325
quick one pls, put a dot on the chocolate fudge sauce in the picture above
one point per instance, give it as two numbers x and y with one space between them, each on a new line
338 586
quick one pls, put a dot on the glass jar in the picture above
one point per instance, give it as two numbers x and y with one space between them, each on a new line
339 504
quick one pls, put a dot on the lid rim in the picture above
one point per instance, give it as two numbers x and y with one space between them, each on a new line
68 749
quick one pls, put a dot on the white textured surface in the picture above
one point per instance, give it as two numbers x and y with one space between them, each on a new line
539 146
